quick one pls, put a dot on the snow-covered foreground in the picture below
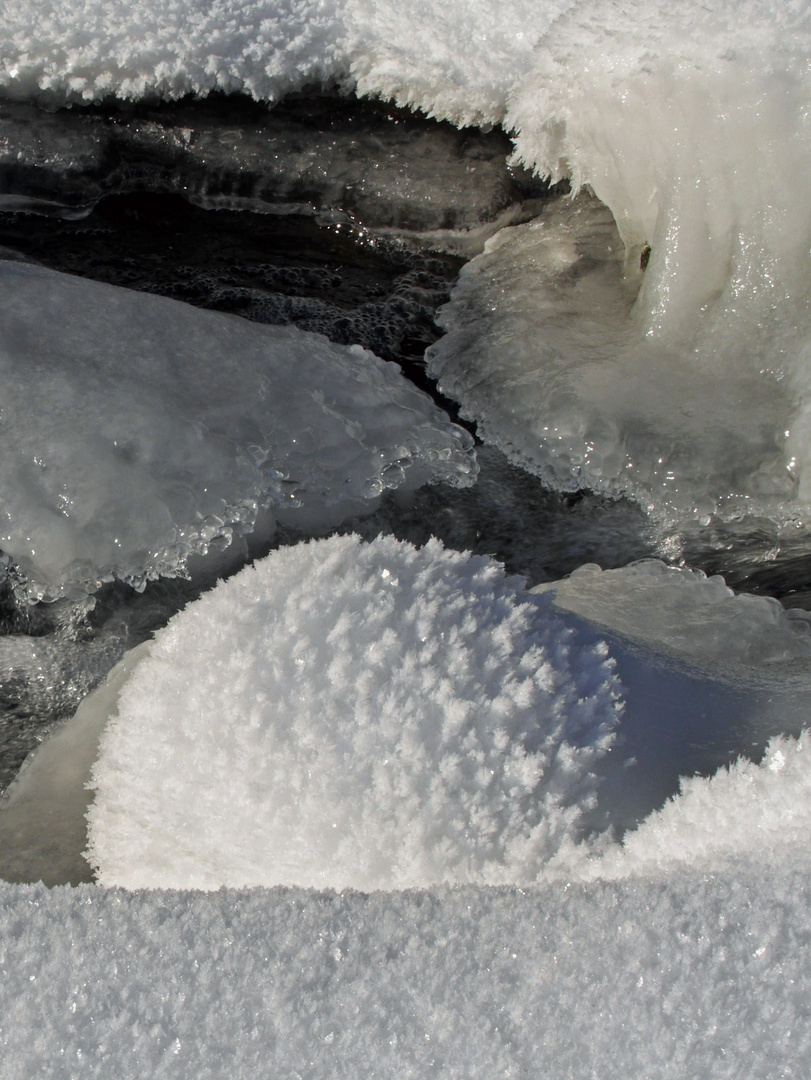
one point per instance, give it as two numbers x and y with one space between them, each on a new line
690 975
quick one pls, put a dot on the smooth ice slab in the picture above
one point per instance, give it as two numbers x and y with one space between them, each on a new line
344 714
708 677
138 431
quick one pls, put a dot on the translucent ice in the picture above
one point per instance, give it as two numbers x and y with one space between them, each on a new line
549 348
321 155
708 676
138 431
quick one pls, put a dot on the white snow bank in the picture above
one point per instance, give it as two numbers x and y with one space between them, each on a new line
693 974
170 430
343 714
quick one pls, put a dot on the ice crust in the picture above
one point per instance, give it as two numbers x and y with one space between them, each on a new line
172 430
669 610
367 716
546 349
385 169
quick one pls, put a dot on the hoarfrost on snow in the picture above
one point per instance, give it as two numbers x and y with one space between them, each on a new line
687 974
344 714
171 431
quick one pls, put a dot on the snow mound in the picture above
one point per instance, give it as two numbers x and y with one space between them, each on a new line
170 431
742 812
342 714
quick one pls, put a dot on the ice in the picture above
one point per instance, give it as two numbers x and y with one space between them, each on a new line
689 122
683 613
614 97
171 431
546 348
353 715
319 155
708 676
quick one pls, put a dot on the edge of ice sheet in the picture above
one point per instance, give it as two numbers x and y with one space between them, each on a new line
173 431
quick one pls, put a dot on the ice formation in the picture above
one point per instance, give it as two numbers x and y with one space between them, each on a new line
677 612
612 97
169 430
742 812
707 676
689 121
324 156
367 716
546 349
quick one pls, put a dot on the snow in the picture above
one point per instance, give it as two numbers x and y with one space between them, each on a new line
744 811
353 715
689 974
371 716
172 431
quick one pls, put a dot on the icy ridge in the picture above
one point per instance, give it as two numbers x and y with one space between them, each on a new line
172 431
